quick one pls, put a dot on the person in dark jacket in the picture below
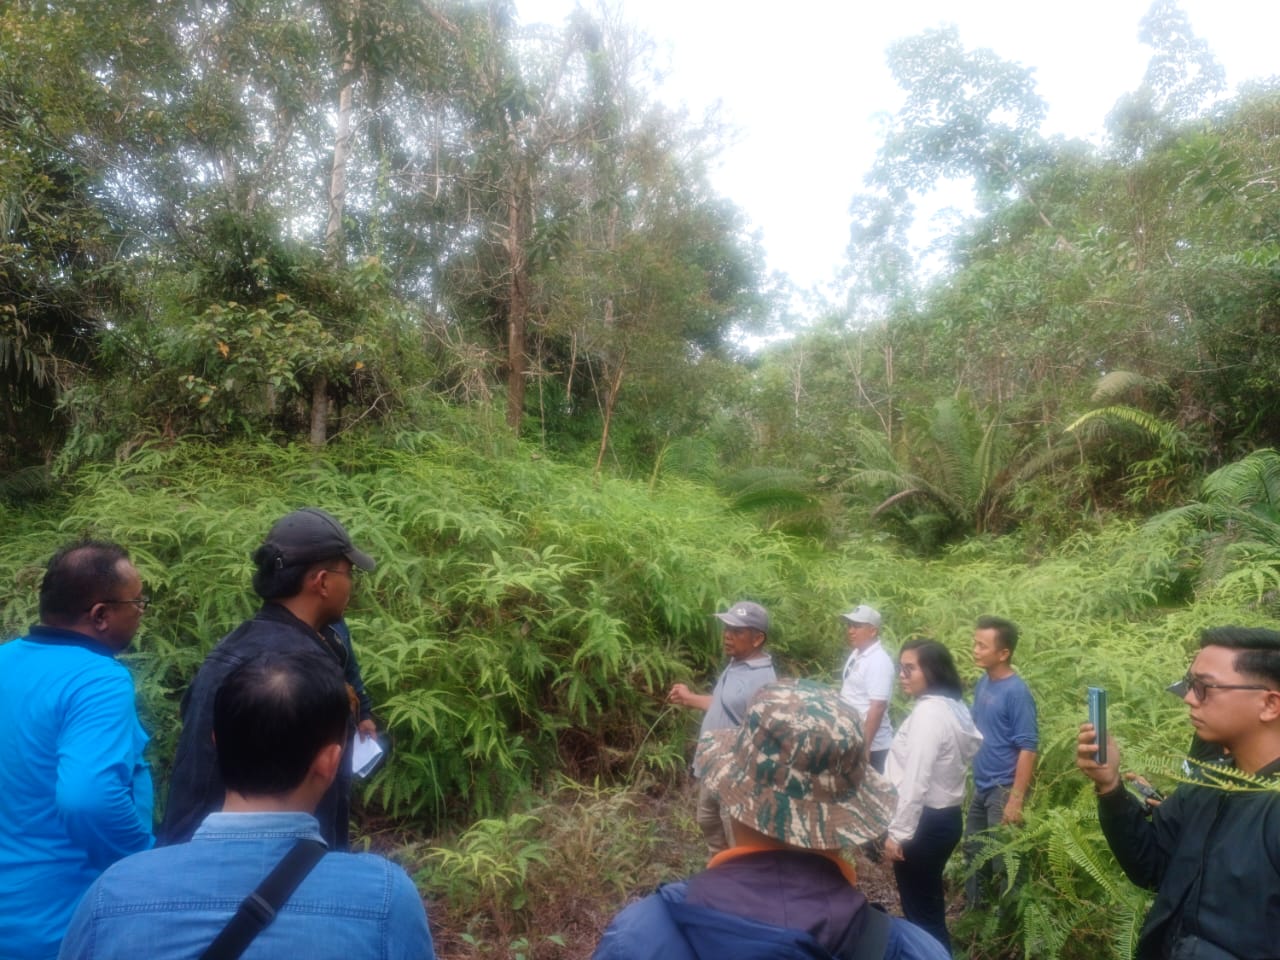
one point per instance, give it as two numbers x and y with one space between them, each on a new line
1211 851
795 780
366 724
304 572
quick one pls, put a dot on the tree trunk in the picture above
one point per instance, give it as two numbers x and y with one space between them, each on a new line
319 410
615 387
341 154
517 300
333 229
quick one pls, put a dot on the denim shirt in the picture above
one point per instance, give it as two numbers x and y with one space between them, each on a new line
170 903
195 783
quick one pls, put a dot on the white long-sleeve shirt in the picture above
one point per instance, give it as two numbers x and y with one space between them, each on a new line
929 760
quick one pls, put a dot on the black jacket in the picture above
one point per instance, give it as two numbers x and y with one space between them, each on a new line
1213 858
195 784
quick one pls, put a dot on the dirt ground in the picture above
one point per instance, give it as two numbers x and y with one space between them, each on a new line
565 922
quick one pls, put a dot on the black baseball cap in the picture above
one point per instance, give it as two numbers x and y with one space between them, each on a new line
311 534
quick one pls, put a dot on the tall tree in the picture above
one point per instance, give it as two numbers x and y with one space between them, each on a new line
1182 76
968 115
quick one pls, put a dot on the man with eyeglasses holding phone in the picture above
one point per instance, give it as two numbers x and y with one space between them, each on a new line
75 791
1211 851
304 572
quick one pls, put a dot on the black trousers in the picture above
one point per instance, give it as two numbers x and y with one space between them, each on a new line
919 873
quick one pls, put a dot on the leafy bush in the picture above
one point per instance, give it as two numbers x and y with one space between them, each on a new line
521 618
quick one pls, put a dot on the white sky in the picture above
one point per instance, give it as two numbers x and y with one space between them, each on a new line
804 82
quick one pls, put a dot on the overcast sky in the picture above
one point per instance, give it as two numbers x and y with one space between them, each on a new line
806 85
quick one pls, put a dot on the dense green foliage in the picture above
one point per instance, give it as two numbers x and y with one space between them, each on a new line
518 621
524 621
1101 333
486 276
288 216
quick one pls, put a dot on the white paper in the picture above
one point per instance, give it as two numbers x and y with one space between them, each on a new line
365 753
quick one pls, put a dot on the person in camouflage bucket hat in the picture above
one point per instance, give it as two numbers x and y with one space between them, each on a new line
795 769
795 779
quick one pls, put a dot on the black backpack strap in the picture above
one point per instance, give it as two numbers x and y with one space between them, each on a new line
874 939
260 907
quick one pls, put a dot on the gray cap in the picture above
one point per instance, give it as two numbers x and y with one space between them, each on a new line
744 613
310 534
862 614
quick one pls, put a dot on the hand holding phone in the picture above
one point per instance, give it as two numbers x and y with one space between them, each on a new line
1098 717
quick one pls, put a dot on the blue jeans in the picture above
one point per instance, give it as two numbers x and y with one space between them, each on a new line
909 942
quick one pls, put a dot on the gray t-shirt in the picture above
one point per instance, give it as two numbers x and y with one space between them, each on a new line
733 692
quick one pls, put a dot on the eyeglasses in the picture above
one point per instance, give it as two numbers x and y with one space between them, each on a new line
1200 689
141 603
907 669
350 574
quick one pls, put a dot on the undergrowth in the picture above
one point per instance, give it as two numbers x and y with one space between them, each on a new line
525 622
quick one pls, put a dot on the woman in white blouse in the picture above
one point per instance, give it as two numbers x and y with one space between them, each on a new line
928 763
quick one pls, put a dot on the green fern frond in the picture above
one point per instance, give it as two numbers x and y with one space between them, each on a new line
1252 482
1163 433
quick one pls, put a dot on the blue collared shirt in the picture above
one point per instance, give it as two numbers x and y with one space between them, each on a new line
75 789
195 782
170 903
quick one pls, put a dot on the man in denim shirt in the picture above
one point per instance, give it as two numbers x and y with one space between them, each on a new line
280 722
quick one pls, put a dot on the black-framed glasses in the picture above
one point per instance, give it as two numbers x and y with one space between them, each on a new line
1200 689
141 603
907 669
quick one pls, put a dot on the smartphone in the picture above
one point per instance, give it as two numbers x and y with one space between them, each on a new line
1098 717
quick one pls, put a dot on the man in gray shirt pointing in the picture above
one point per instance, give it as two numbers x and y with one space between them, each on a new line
746 629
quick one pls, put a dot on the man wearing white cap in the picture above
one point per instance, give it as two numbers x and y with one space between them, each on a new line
868 681
746 628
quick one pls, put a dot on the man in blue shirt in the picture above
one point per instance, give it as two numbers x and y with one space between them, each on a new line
75 791
1005 713
280 722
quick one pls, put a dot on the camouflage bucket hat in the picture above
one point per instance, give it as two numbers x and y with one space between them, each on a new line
795 771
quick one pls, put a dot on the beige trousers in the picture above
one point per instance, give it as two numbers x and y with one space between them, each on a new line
716 827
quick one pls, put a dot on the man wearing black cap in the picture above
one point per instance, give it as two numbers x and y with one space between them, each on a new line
304 573
746 628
